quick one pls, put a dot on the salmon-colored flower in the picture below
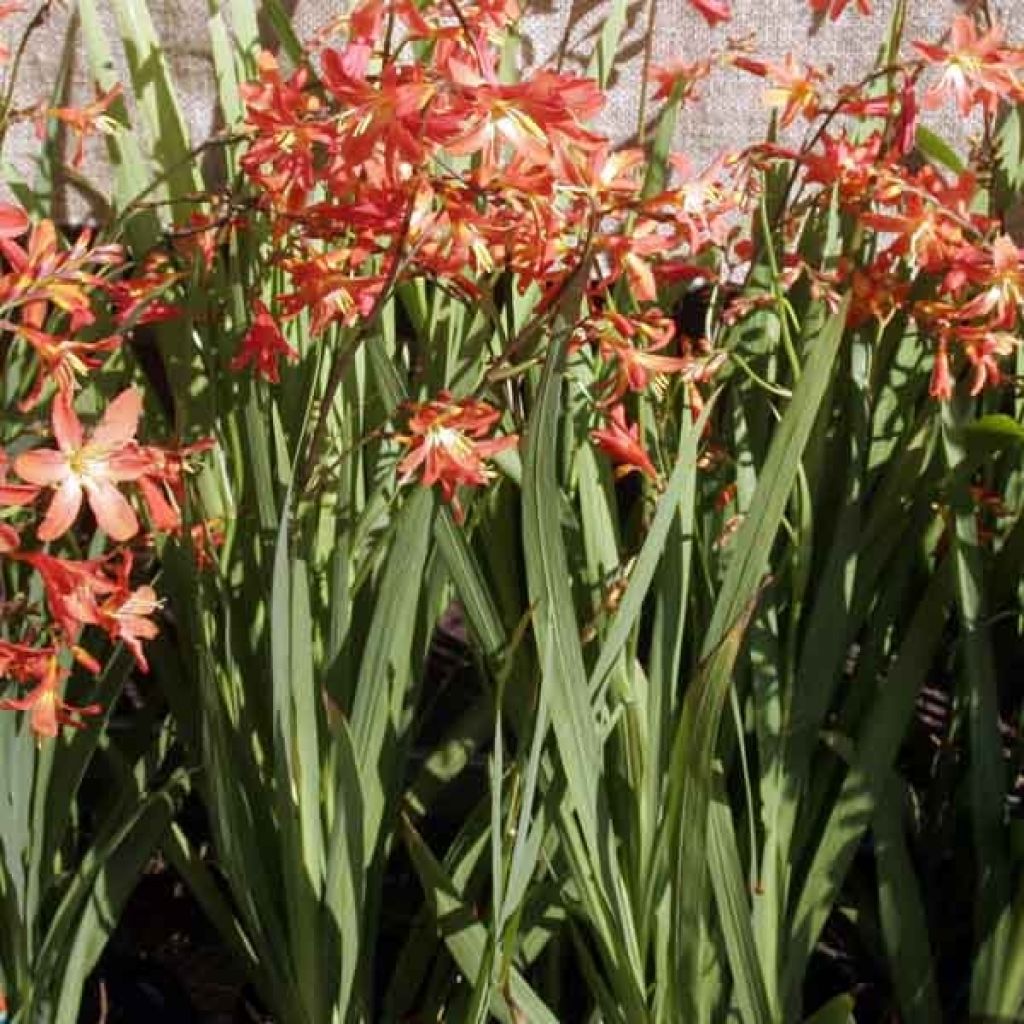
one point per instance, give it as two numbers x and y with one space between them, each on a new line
941 383
448 444
794 88
620 441
85 121
263 345
681 75
62 359
46 706
1000 271
977 69
124 614
89 467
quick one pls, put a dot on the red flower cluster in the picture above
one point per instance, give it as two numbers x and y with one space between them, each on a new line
378 168
53 300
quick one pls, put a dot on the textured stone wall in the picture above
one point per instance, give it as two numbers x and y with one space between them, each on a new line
556 31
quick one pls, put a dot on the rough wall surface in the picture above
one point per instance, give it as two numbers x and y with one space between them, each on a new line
556 31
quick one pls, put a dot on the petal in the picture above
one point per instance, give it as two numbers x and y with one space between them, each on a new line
114 515
121 419
42 466
13 221
128 464
164 515
67 428
63 510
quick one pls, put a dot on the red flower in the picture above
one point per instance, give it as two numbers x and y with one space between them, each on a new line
446 445
713 11
795 88
87 120
621 443
263 345
46 706
632 344
124 615
833 8
977 69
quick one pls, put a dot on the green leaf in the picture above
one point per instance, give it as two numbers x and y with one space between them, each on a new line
466 937
836 1011
346 876
995 430
381 711
938 150
734 914
678 495
987 779
904 923
853 809
157 100
1010 148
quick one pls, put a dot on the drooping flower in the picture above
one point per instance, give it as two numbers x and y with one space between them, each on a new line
89 467
834 8
633 345
263 345
620 441
448 445
681 75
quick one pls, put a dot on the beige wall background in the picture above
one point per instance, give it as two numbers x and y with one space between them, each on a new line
559 32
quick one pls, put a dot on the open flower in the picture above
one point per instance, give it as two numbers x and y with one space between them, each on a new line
89 467
977 69
447 445
46 706
125 613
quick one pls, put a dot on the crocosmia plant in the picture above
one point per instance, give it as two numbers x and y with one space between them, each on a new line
706 479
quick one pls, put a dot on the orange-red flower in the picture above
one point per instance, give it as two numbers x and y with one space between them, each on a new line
977 69
13 221
794 88
89 467
633 344
713 11
448 443
263 345
124 614
46 706
85 121
620 441
679 74
834 8
1000 272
